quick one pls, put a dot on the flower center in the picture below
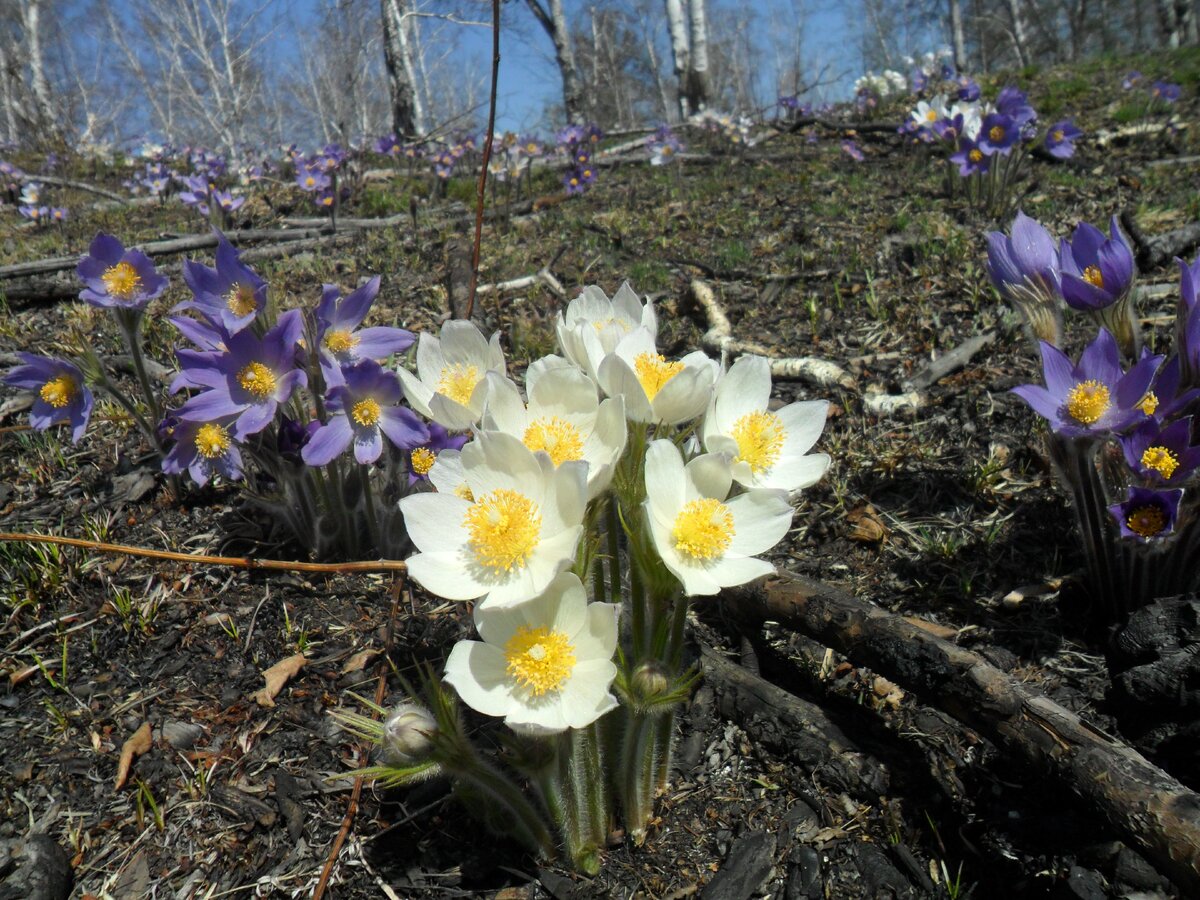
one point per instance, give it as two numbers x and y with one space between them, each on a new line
1087 402
996 134
422 461
212 440
257 380
1160 460
1148 521
340 341
504 528
539 660
759 438
365 412
240 300
458 382
1093 276
975 155
931 115
557 437
1058 135
1149 403
122 280
703 529
59 391
653 371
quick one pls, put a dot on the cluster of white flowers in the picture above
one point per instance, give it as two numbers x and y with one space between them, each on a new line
736 129
927 113
506 520
884 85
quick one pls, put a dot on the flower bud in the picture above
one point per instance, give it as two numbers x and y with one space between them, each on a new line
407 733
650 679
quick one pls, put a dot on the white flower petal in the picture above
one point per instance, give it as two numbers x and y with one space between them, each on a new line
447 574
479 673
708 475
416 392
745 388
803 423
666 490
761 519
430 360
504 409
435 521
732 571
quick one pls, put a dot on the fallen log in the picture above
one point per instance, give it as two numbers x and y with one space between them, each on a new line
796 728
162 248
77 185
1153 811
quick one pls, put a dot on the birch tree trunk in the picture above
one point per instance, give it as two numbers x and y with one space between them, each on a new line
554 23
958 37
401 93
681 51
31 25
1018 31
697 82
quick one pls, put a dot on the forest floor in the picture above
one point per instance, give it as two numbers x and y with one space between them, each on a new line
947 513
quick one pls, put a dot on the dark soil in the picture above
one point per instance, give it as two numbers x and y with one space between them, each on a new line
948 514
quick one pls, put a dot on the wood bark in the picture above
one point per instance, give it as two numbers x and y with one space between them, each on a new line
680 51
31 23
554 22
401 90
697 76
1017 30
958 37
1152 810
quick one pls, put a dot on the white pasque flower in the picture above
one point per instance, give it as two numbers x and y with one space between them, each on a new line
450 386
544 664
507 534
565 418
706 541
928 112
655 389
768 449
593 325
447 475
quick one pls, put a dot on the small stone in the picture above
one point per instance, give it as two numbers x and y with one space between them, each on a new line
42 871
181 735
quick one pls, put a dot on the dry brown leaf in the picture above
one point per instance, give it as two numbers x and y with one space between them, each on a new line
277 676
945 632
867 527
359 660
890 693
139 742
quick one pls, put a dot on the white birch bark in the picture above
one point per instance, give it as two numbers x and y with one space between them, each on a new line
958 38
681 51
554 22
697 89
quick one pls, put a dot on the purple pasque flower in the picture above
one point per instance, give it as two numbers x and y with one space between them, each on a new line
312 179
1130 80
422 458
249 380
1025 270
227 202
116 277
1061 138
1166 91
1189 281
204 449
1097 271
850 148
968 89
339 338
362 409
998 134
1147 514
1094 396
230 295
61 395
1013 103
1162 454
573 182
970 158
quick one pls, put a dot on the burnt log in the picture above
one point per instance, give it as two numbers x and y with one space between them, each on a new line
1151 809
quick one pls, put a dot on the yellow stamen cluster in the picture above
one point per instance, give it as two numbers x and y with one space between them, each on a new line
653 371
58 392
539 660
257 380
1160 460
122 281
1058 135
240 299
365 412
931 115
422 460
975 155
996 134
458 382
212 440
1088 401
759 438
1149 403
557 437
1148 521
340 341
504 527
1093 276
703 529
